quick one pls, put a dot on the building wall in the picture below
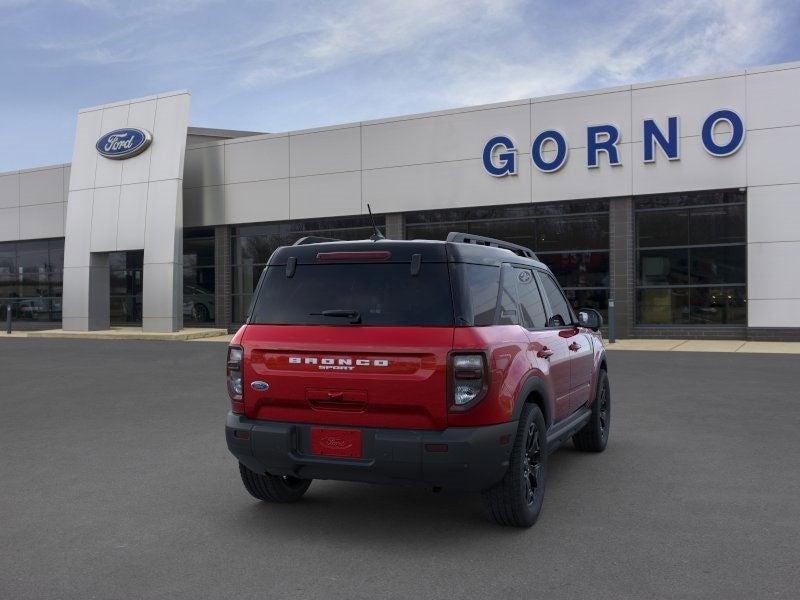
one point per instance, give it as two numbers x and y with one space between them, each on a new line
433 160
420 162
33 203
132 204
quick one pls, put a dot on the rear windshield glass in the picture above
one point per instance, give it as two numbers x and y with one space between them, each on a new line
381 294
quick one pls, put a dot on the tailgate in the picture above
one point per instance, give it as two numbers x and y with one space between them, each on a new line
388 377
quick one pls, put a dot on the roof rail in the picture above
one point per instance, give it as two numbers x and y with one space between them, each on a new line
313 239
479 240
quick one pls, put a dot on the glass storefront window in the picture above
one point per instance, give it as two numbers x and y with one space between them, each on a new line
572 238
199 277
691 259
252 245
30 279
126 287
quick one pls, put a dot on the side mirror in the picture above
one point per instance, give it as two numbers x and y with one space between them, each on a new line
590 318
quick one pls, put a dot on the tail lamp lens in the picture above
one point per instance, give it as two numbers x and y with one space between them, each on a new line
469 378
234 372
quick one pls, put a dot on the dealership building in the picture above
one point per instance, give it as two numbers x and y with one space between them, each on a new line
677 200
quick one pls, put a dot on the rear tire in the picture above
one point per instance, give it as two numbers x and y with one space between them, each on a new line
594 435
272 488
517 500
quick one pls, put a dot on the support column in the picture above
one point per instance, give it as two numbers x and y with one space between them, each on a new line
395 226
621 263
222 276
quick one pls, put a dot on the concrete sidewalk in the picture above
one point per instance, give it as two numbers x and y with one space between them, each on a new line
121 333
706 346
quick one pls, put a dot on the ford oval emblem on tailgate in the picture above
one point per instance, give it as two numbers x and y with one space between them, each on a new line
260 386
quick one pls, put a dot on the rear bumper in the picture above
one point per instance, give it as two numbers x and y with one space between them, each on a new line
476 457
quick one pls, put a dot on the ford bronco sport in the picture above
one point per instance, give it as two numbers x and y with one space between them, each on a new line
455 364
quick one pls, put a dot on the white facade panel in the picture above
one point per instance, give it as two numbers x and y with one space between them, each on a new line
572 115
773 213
109 172
43 186
773 99
132 212
696 170
442 185
79 213
773 156
325 195
169 137
76 293
257 201
257 160
141 115
692 101
772 270
85 157
105 218
162 235
443 138
9 224
9 190
773 313
575 180
327 151
41 221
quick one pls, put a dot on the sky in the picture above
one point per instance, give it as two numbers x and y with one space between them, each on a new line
284 65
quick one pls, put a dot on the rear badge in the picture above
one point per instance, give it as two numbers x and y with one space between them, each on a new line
261 386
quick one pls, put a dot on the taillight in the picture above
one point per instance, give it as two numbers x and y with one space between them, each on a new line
234 375
469 380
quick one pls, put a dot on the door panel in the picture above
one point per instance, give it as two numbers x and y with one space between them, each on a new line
581 363
557 364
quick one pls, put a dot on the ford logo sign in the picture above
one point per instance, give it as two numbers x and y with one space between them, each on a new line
260 386
123 143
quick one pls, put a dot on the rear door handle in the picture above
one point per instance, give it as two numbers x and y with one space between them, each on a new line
574 346
545 352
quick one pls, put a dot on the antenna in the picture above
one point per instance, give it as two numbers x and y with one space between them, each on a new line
377 235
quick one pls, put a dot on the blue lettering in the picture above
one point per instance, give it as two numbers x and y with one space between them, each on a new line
652 135
608 144
561 151
736 140
507 159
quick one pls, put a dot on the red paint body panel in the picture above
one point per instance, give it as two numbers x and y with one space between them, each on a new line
397 377
394 377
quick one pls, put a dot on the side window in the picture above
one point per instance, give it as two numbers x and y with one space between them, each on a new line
507 302
480 285
530 301
561 315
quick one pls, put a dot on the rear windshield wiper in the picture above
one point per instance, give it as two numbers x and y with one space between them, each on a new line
353 315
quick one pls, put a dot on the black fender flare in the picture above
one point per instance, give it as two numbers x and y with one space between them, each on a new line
532 384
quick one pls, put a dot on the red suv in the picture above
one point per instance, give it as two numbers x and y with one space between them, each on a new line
455 364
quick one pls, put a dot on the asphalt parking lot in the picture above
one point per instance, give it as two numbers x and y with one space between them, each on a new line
116 483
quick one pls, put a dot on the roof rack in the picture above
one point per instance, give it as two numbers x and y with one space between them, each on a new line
313 239
479 240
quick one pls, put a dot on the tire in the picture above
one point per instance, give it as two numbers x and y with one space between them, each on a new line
271 488
517 500
594 435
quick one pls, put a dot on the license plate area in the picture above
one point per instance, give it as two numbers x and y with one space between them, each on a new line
342 443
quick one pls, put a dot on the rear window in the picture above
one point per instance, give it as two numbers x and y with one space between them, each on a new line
382 294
